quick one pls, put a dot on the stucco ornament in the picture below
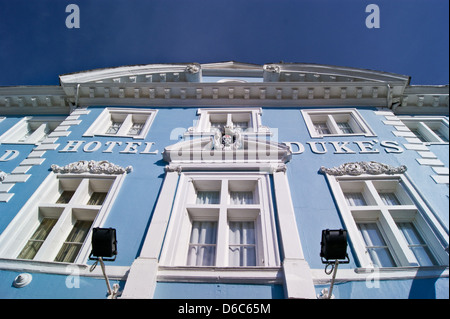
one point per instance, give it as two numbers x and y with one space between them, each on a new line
273 68
229 139
93 167
193 68
358 168
2 176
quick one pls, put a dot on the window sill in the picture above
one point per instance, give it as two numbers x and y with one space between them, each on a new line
61 268
344 135
257 275
387 273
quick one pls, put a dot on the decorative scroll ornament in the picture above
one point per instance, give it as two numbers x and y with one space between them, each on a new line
230 139
94 167
358 168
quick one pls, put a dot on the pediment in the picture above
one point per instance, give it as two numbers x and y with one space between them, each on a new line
137 74
306 72
203 150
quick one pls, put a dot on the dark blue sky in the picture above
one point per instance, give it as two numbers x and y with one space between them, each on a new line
36 46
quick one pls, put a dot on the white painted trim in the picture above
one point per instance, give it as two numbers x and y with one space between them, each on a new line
424 220
360 126
100 125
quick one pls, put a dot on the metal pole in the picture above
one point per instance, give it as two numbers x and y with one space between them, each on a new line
330 293
104 274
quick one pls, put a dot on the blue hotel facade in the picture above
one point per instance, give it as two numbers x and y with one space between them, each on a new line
219 179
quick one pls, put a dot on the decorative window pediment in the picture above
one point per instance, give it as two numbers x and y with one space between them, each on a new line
230 147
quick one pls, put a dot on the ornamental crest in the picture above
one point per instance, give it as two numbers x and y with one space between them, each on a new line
228 138
358 168
93 167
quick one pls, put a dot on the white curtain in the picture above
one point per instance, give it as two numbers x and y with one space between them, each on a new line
389 199
321 128
345 127
241 198
417 244
202 246
206 197
355 199
376 246
242 247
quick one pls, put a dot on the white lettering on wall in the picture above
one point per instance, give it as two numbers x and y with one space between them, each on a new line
337 147
9 155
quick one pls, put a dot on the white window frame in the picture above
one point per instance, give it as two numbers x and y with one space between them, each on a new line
43 204
412 209
175 250
46 124
425 125
253 115
333 116
127 117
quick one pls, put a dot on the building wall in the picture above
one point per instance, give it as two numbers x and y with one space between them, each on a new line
314 205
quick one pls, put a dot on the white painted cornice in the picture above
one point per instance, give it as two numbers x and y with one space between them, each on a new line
171 85
421 99
33 100
238 94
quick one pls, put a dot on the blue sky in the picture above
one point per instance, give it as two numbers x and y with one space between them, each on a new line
36 46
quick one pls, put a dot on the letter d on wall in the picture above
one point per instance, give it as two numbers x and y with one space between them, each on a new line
9 155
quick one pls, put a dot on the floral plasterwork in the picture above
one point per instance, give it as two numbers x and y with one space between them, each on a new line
93 167
358 168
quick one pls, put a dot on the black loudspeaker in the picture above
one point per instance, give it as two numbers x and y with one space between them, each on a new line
104 242
334 244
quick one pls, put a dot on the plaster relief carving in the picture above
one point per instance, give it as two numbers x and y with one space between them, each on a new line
94 167
229 139
358 168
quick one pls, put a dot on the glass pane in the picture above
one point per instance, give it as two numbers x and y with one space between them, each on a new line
423 256
441 135
355 199
321 128
410 233
202 245
136 129
241 125
218 125
207 197
37 239
74 241
241 198
389 199
376 245
381 257
114 128
242 248
419 135
417 244
345 127
97 198
65 197
371 234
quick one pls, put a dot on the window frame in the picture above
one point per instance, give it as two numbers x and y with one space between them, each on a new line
426 126
18 131
334 116
203 124
22 227
175 249
412 209
128 117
